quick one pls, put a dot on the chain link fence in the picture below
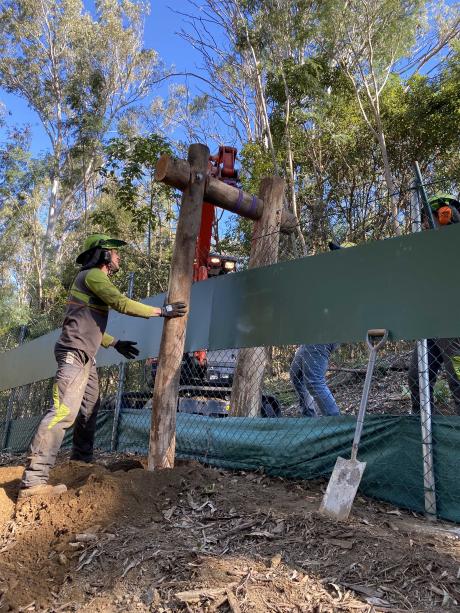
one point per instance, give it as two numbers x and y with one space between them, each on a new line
293 408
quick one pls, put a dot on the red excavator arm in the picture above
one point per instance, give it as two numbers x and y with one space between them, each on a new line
221 166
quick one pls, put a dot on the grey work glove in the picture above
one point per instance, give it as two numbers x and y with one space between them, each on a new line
174 309
127 349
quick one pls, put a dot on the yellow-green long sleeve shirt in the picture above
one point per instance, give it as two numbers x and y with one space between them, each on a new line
91 296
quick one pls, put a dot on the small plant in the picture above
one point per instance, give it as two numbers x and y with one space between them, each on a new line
441 392
405 391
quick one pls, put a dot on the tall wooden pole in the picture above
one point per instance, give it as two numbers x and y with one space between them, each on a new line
251 363
164 405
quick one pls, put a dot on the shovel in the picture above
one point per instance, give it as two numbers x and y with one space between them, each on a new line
346 476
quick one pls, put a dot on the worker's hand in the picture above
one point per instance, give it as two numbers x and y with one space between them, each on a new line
175 309
127 349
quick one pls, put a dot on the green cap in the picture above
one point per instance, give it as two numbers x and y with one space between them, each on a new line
333 246
440 199
99 240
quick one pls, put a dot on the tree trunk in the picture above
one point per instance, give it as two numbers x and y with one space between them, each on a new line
290 168
389 181
37 262
165 394
52 214
251 363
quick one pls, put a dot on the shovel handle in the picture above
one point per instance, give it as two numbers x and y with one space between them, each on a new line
375 333
373 348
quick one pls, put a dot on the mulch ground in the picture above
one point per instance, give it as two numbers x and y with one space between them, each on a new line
203 539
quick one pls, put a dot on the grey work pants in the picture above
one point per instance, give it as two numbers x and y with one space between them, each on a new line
441 351
75 402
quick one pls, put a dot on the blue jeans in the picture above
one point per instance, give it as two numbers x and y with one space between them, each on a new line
308 376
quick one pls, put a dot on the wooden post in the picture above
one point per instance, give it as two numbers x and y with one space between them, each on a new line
251 363
164 404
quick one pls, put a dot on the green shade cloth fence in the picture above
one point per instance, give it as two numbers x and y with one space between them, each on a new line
300 448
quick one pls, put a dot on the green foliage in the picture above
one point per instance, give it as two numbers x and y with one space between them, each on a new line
256 163
79 70
21 183
338 107
128 164
422 121
441 392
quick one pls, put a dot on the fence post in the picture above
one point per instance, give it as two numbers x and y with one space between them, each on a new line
11 399
121 382
429 485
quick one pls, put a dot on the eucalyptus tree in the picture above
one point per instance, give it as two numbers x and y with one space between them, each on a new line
78 71
22 186
331 101
373 40
243 43
146 205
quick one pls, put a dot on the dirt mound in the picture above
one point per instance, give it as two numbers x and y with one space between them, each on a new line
202 539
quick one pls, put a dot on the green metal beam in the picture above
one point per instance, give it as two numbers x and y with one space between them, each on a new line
409 285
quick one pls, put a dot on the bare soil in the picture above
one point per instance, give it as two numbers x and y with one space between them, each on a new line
203 539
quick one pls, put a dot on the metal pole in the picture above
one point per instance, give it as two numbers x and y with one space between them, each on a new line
424 392
416 217
423 196
425 419
11 399
121 383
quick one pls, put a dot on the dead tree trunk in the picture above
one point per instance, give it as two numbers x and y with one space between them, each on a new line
164 405
251 363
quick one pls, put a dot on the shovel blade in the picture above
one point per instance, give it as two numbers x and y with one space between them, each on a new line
341 489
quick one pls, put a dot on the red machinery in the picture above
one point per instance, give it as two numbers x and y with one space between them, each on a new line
205 265
221 166
196 378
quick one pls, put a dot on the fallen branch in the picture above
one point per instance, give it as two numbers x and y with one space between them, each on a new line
360 371
196 596
233 603
236 530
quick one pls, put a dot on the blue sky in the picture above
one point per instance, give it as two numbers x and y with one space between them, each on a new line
160 34
161 29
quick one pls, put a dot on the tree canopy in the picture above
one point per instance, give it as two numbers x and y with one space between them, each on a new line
339 97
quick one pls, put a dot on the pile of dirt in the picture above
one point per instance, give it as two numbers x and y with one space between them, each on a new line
204 539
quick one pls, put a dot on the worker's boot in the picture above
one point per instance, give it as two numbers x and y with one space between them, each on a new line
43 489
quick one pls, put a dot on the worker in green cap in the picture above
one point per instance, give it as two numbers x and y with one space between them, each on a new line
442 352
76 388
